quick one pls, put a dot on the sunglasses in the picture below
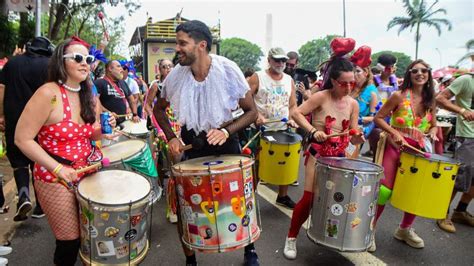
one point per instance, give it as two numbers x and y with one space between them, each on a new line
344 84
290 65
279 60
166 66
79 58
418 70
359 71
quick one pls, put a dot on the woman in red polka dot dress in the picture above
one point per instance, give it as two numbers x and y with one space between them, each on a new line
64 116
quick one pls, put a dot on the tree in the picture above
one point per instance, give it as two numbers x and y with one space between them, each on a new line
403 61
314 52
419 14
244 53
469 47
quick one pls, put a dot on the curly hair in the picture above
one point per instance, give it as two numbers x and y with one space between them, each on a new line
57 72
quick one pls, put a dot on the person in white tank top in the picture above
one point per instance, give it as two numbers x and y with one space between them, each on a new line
274 95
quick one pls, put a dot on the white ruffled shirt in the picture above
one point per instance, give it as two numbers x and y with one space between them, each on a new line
205 105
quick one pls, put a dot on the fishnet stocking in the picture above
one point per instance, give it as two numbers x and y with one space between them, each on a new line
60 207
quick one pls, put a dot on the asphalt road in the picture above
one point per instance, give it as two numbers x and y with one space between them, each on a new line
33 243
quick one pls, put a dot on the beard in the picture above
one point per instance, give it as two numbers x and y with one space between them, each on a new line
189 59
290 71
278 70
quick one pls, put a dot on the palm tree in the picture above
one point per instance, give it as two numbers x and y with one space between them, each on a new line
469 46
419 14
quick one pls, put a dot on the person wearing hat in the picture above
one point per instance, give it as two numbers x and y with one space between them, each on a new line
203 90
20 78
274 95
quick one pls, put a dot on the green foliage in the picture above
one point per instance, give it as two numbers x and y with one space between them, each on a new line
314 52
244 53
8 36
419 14
469 47
403 61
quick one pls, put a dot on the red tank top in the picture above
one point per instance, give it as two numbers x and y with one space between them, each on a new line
65 139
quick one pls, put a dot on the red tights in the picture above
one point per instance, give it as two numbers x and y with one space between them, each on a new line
300 213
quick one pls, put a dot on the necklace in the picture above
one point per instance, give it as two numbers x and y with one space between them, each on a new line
70 88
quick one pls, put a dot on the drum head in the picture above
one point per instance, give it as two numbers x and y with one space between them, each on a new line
114 187
215 163
350 164
435 158
135 128
281 137
123 150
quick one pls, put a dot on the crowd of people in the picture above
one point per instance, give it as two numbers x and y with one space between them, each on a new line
50 113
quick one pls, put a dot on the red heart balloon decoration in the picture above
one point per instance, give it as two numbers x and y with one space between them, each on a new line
341 46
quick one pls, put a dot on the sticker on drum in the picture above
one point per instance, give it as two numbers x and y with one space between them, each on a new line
208 232
93 231
136 219
130 235
105 216
196 199
247 173
351 207
355 222
232 227
180 190
105 248
133 254
248 190
196 181
233 186
249 206
371 211
366 190
122 218
329 184
188 214
356 181
336 209
111 232
193 229
338 197
332 228
121 251
245 220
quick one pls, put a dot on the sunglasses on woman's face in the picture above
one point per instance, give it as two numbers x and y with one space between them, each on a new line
166 66
79 58
415 71
344 84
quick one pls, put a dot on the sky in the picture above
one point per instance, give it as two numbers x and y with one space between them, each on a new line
297 22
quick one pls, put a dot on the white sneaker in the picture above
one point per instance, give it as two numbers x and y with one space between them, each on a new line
5 250
372 247
290 248
172 218
3 261
409 236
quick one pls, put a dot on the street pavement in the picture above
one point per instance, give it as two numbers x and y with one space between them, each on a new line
33 242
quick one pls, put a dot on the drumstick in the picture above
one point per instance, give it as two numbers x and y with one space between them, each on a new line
244 148
197 144
104 163
124 115
351 132
124 133
425 154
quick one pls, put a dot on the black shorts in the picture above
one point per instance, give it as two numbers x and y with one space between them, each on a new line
231 146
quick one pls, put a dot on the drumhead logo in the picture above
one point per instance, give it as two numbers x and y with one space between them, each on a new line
232 227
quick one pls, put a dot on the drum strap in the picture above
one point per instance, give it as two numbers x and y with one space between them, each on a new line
60 159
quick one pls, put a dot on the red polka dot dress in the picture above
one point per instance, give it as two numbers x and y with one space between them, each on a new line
65 139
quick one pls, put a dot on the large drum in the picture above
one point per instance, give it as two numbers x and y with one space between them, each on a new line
423 186
134 155
343 215
217 202
279 157
115 218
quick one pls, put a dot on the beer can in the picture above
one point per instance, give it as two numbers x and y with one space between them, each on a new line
104 123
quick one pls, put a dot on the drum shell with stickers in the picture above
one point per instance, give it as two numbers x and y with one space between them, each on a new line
217 204
344 205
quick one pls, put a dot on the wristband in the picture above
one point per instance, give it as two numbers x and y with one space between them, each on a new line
461 112
57 169
134 114
226 133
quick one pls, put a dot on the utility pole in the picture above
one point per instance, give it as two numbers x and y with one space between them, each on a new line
344 15
38 19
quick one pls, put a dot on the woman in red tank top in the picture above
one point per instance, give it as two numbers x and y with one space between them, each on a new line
63 115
